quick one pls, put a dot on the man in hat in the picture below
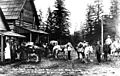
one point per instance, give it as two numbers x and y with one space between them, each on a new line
98 52
69 49
108 42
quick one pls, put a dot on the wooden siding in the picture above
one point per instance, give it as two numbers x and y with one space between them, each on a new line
2 25
20 13
28 13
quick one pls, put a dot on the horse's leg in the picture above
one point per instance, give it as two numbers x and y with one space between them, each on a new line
18 55
78 55
83 56
118 52
57 53
54 53
28 58
37 58
88 56
64 54
114 52
106 56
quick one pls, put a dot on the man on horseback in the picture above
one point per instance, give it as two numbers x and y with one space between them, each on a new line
107 47
115 46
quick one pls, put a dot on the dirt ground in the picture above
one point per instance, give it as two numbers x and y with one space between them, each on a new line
63 67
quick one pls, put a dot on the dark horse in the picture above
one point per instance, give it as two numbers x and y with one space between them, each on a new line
30 53
106 51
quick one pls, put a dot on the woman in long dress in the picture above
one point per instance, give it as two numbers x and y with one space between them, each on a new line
7 51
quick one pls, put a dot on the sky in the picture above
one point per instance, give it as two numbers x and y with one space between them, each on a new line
77 9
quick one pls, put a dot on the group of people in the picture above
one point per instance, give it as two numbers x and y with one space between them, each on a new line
110 46
10 49
83 49
20 51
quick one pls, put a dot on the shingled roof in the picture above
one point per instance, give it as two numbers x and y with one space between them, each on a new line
4 22
12 8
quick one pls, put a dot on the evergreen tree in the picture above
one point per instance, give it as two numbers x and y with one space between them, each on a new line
114 9
114 12
97 23
91 16
94 22
49 23
60 21
41 26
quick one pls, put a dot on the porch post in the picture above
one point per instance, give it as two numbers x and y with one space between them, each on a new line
30 36
38 38
2 51
48 39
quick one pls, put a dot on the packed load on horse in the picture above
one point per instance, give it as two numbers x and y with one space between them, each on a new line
63 50
52 44
84 50
29 52
80 50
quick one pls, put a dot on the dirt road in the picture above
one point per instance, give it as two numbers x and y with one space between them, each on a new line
53 67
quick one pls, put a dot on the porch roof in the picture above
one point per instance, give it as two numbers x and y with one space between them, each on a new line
28 30
10 33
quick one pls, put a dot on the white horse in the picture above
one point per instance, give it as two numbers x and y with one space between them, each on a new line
88 51
57 49
115 47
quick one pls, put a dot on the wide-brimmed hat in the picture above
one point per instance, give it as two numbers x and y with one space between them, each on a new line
108 36
29 43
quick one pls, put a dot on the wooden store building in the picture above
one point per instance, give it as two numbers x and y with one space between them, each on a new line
20 17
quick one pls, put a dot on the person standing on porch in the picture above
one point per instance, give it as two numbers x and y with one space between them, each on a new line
7 50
